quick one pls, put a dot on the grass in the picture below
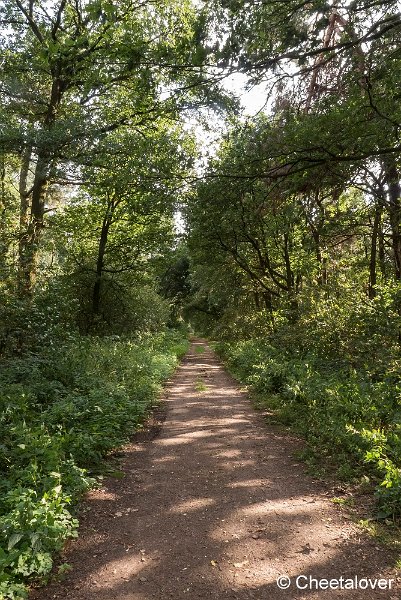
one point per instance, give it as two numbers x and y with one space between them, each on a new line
340 501
200 386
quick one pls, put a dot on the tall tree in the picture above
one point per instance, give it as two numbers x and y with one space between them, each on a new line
121 221
72 72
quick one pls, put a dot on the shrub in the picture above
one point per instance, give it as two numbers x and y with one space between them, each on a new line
345 414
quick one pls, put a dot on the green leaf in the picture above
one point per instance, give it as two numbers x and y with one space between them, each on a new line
14 539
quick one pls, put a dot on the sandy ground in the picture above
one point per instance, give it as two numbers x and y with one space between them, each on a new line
215 506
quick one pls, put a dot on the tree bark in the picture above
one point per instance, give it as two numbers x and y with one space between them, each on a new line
382 252
290 280
24 221
394 212
3 209
33 226
104 234
373 253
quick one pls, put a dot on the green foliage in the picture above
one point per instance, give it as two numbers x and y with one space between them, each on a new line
127 306
200 386
61 412
385 452
349 416
294 241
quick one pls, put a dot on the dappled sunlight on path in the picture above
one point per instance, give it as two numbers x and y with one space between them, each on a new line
215 507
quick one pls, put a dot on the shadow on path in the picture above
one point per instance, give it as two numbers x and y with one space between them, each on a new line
215 507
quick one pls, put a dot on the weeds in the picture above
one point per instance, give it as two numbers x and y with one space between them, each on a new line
349 419
200 386
61 412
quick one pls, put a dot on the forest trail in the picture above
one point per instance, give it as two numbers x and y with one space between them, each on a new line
216 506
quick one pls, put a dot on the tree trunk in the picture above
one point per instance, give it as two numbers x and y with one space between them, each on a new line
322 278
382 252
3 208
104 233
290 280
268 302
24 194
30 239
34 223
373 253
394 212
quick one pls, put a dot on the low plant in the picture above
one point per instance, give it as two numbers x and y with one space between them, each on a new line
348 417
62 411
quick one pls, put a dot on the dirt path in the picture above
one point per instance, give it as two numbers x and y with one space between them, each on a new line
214 507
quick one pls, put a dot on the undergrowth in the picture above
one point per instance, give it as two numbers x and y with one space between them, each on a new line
61 412
349 418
